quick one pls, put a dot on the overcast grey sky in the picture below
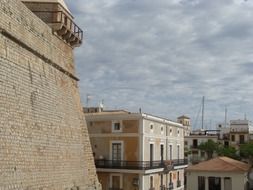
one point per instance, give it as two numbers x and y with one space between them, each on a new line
164 55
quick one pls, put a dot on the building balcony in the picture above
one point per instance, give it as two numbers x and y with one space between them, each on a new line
63 25
129 165
180 162
167 165
57 16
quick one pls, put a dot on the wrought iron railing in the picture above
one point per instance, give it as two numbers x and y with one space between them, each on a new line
139 165
180 162
135 165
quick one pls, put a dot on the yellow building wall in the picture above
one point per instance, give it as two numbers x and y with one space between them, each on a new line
127 180
101 147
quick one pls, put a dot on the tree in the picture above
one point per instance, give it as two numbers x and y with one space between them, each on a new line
246 151
228 151
209 147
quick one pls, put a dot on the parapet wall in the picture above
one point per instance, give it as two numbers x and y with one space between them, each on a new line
44 142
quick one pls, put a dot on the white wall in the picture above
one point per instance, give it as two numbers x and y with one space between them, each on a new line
238 179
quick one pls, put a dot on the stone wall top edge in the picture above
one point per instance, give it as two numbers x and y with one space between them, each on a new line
24 25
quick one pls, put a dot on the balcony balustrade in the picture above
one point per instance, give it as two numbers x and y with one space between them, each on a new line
139 165
180 162
63 25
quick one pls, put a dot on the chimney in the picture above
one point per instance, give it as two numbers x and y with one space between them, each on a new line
56 15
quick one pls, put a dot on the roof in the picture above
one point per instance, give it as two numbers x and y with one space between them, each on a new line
220 164
50 1
109 112
183 117
112 113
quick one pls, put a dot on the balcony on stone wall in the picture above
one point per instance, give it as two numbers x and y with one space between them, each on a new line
56 15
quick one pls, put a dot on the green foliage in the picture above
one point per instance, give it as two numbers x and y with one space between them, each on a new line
228 151
209 147
246 150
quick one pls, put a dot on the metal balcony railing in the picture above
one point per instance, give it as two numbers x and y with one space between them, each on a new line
62 24
139 165
180 162
130 165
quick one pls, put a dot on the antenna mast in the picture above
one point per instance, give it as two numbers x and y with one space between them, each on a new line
203 107
226 112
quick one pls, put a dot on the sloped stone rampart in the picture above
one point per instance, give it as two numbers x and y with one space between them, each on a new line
44 142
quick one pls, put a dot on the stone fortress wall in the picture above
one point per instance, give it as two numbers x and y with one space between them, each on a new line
44 142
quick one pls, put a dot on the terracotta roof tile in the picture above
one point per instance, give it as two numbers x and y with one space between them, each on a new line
220 164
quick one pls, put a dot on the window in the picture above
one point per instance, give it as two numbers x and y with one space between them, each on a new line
162 129
151 153
116 181
178 152
151 185
116 151
242 139
227 183
170 131
195 143
151 128
116 126
170 182
170 149
232 137
178 132
201 182
214 183
162 151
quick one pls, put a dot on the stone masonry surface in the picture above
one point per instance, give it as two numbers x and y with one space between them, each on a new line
44 142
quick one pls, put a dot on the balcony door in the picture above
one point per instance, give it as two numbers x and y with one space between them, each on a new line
116 152
170 149
162 151
151 154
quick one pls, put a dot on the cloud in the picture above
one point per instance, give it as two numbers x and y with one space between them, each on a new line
164 56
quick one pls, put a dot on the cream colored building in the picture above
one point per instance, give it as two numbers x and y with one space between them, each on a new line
240 132
221 173
186 122
137 150
191 144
